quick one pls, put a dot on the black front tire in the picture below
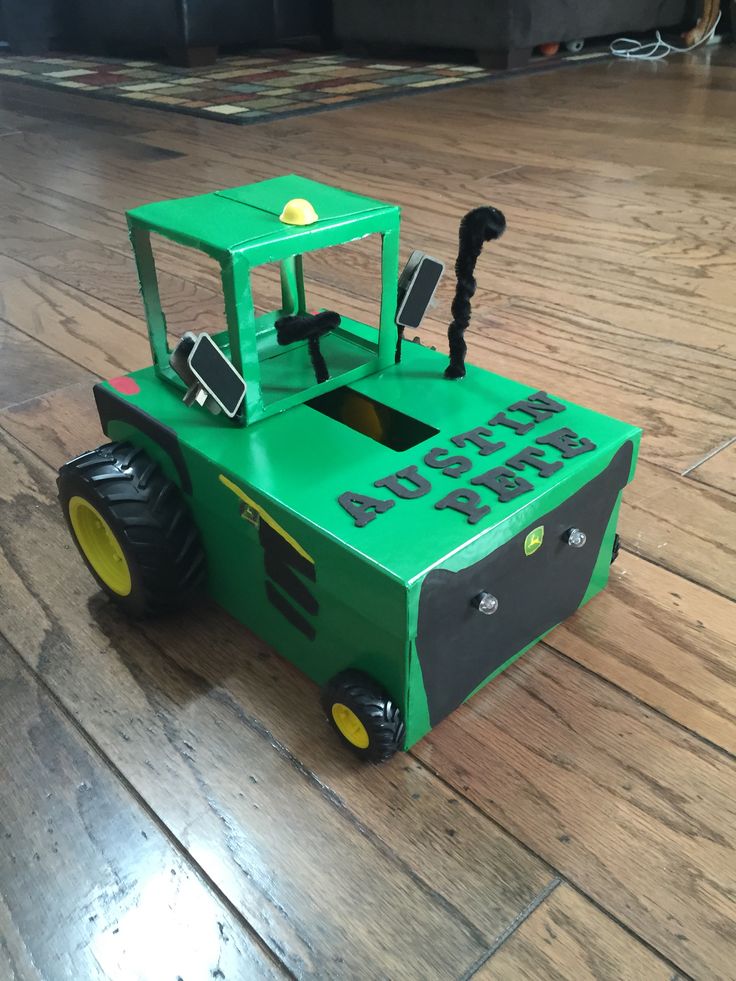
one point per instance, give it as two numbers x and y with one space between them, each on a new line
377 712
149 519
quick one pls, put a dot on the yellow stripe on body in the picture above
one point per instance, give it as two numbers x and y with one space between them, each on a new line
266 517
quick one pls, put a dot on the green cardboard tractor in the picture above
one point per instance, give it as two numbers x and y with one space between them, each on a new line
399 536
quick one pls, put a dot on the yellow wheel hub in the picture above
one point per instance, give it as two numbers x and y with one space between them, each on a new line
350 725
100 546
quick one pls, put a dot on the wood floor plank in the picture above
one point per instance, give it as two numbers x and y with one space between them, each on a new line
30 108
664 639
221 745
718 470
98 225
567 937
113 182
107 276
101 338
673 428
589 138
75 427
29 369
626 217
550 332
630 809
481 871
537 261
681 525
89 886
16 962
201 132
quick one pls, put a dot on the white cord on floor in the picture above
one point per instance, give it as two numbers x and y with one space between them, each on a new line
654 50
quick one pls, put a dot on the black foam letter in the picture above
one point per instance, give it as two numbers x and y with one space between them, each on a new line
465 501
475 436
530 456
503 482
567 442
453 466
539 406
501 419
421 485
363 508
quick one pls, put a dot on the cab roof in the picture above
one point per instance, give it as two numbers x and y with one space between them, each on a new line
246 219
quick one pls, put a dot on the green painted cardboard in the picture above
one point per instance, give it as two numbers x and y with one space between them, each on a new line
286 466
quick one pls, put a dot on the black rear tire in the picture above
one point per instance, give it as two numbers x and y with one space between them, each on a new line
374 708
149 520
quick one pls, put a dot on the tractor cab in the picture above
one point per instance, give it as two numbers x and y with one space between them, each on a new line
264 364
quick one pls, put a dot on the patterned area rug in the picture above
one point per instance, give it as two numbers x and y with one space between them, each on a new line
252 88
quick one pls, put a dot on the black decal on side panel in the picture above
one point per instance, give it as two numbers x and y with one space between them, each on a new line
284 562
287 610
287 579
277 547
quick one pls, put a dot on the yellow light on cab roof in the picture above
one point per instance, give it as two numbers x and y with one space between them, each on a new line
298 211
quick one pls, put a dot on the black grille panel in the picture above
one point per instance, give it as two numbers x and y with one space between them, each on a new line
458 647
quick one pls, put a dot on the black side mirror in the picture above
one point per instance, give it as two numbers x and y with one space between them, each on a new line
417 285
210 378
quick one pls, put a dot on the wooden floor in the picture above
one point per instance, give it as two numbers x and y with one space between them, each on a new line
171 802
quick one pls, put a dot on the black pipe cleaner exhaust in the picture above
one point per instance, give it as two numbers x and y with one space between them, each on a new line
477 227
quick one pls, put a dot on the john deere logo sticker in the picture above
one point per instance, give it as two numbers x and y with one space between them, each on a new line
250 514
533 540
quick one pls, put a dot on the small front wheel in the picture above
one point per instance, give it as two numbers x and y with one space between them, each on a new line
365 717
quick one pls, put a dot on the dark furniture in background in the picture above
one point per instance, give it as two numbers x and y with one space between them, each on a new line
28 25
189 31
502 32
